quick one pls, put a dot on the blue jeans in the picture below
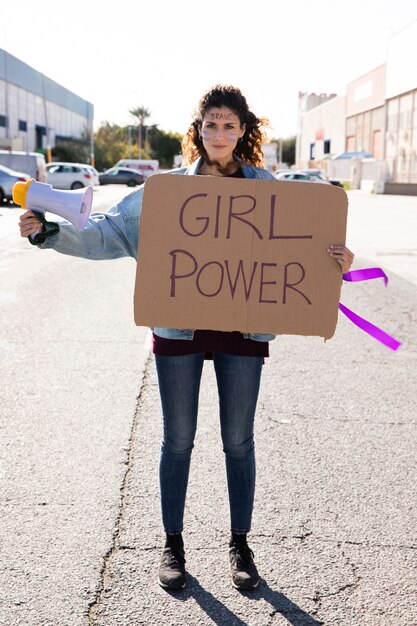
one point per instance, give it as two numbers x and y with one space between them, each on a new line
238 380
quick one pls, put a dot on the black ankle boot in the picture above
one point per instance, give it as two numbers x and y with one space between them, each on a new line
242 568
172 575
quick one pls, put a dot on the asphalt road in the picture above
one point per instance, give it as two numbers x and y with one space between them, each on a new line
334 529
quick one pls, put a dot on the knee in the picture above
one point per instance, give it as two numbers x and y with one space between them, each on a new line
240 449
178 449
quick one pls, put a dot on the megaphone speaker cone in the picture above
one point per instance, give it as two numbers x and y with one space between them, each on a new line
74 206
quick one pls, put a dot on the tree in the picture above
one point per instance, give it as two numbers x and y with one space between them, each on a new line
164 146
110 145
287 149
142 114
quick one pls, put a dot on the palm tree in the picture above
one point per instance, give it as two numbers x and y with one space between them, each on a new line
142 114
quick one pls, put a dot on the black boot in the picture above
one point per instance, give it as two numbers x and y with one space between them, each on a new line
172 573
242 568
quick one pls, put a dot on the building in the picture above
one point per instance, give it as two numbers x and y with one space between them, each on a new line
400 150
321 127
377 118
38 113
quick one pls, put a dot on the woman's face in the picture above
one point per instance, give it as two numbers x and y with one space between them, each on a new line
220 132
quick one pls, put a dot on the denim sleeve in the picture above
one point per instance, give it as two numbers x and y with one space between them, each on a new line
267 175
110 235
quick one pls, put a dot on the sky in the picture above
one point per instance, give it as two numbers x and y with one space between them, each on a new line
164 55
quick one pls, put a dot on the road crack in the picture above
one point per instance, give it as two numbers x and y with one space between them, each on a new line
351 586
105 576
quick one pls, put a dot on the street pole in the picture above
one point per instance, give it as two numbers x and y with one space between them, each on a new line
91 125
6 93
48 146
92 157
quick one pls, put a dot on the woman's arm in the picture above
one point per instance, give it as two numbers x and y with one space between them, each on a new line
108 235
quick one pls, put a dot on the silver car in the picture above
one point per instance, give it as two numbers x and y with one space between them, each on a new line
301 176
8 178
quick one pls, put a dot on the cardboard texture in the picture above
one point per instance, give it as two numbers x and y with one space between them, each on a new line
220 253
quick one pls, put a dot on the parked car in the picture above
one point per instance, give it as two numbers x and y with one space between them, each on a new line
322 174
30 163
8 178
361 154
71 175
96 176
301 177
121 176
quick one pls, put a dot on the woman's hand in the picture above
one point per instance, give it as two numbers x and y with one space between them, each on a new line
29 224
343 256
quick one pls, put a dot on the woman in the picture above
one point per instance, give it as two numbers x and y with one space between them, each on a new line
224 139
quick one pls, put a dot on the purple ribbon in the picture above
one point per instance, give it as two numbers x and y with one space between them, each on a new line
368 273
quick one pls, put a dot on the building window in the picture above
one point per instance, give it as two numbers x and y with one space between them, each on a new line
23 125
3 120
40 132
312 151
326 146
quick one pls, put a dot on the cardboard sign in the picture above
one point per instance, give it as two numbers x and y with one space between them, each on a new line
231 254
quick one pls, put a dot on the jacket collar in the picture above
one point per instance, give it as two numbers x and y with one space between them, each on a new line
194 167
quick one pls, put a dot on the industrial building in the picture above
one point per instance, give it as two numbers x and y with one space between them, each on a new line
375 122
38 113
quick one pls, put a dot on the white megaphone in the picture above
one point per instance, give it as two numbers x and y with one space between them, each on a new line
74 206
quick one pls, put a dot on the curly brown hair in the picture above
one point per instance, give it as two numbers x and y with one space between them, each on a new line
248 148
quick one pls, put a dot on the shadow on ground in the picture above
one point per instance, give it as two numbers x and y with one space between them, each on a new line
220 614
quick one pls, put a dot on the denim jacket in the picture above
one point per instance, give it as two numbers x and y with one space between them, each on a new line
115 234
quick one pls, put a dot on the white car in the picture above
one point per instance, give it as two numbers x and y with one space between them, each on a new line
71 175
322 174
301 176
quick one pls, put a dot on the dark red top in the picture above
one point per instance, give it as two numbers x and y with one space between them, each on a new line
210 341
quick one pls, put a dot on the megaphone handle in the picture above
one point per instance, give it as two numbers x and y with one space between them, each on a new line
51 228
